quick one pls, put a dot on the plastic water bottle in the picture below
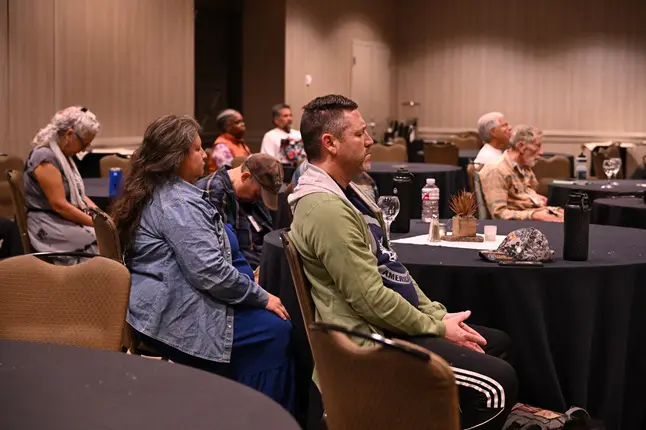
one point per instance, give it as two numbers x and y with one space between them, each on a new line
114 182
430 201
581 166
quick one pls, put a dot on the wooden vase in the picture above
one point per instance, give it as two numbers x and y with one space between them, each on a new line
464 227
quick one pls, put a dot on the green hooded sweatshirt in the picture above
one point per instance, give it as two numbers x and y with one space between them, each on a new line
337 249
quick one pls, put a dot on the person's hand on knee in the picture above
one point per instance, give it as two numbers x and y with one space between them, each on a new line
458 332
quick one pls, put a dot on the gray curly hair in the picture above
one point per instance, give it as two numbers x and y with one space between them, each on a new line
78 118
525 134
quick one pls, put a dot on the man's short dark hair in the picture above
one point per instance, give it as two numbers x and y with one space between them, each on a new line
323 115
275 111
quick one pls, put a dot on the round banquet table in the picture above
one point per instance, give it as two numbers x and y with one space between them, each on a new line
449 179
620 211
63 387
578 328
288 172
558 193
97 189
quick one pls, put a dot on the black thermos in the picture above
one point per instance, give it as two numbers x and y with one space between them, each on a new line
576 227
402 188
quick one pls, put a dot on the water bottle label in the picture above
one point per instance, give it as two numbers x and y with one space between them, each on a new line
426 196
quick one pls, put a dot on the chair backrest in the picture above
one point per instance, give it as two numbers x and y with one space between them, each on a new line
392 154
393 385
483 210
81 305
301 283
237 161
14 177
471 168
445 153
555 167
466 140
110 161
107 236
6 201
548 169
8 162
11 162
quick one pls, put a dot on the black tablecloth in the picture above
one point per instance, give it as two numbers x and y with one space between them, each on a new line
578 327
449 179
470 154
620 211
97 189
45 386
288 172
89 166
558 193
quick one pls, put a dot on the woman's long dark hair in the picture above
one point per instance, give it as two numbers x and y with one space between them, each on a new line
166 143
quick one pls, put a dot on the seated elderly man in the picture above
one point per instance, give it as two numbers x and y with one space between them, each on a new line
494 132
509 185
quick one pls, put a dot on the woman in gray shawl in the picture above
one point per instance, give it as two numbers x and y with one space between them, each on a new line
57 216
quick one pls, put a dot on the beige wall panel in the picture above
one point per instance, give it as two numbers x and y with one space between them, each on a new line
129 61
4 76
31 71
576 70
263 79
319 38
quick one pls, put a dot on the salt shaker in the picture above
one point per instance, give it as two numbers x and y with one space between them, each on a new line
434 230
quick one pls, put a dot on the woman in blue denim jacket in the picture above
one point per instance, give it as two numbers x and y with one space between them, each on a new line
193 296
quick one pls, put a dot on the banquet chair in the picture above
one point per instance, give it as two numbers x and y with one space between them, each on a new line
441 153
80 305
107 236
471 169
549 169
301 283
237 161
387 384
483 210
8 162
466 140
14 178
109 161
391 154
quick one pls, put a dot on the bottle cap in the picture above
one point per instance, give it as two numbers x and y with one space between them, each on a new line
430 181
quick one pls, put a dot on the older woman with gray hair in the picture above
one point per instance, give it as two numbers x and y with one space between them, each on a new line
230 143
57 206
494 131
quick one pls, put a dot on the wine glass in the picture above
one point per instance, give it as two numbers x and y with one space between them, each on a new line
608 168
616 170
389 206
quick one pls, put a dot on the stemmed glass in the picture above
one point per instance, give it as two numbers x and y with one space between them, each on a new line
608 168
389 206
616 170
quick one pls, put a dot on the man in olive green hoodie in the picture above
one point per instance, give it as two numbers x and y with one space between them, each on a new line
357 280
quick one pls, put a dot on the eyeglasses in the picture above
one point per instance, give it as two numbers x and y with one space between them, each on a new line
83 144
